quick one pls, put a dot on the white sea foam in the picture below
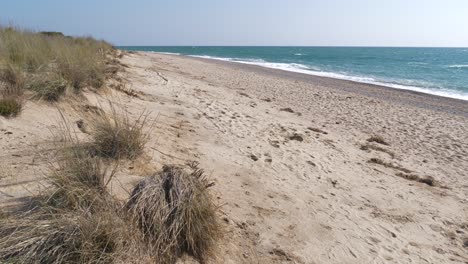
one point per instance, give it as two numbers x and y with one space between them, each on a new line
299 54
168 53
417 63
301 68
458 66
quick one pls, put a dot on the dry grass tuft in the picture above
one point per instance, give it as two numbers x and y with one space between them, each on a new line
388 165
66 238
10 106
49 87
378 139
79 178
117 136
366 147
176 212
412 177
11 91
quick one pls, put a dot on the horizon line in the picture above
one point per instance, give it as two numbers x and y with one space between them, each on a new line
295 46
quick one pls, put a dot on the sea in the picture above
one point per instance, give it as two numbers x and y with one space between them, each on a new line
438 71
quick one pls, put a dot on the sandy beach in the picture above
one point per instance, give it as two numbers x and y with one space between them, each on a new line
296 177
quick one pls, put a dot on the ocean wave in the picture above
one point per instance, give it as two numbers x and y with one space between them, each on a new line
417 63
301 68
167 53
298 54
462 66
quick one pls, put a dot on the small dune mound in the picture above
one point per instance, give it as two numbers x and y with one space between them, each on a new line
176 212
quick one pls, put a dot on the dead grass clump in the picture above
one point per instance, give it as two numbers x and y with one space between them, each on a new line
412 177
116 136
378 139
69 238
388 165
366 147
176 212
317 130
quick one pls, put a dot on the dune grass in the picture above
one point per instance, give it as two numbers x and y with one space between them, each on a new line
117 136
78 220
49 63
10 106
66 238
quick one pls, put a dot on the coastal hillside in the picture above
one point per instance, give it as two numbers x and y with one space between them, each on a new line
135 157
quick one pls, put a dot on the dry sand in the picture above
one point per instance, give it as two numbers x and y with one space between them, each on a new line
285 151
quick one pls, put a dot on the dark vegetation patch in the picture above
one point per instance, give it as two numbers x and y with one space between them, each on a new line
253 157
244 94
412 177
10 106
317 130
296 137
367 147
378 139
388 165
287 109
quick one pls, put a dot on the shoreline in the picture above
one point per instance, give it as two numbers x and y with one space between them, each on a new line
427 100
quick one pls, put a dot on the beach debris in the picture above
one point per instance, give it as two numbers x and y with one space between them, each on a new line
275 143
287 109
253 157
388 165
367 147
412 177
317 130
296 137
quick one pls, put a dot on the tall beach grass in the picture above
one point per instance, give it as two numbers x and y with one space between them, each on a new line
49 63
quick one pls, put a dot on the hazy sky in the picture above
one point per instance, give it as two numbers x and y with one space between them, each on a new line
249 22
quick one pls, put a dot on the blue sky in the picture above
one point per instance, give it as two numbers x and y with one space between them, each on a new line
250 22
